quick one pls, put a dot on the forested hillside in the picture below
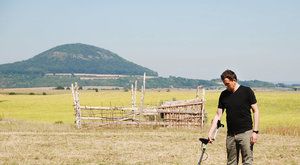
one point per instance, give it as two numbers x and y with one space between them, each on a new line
76 58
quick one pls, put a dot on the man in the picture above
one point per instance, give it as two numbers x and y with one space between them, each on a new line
238 101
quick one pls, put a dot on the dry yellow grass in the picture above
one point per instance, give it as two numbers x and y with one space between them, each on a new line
36 143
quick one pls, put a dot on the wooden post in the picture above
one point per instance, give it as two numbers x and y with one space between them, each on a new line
202 108
135 89
198 92
75 94
143 93
133 98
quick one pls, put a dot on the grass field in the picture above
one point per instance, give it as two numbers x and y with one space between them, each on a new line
279 111
32 143
29 134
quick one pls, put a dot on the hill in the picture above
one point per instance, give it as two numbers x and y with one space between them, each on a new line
89 66
76 58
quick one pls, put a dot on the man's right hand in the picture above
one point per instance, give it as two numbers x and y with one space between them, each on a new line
210 139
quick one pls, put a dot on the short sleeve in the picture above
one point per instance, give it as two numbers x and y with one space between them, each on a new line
252 98
221 104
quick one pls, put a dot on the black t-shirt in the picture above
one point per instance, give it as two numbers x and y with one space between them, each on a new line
238 109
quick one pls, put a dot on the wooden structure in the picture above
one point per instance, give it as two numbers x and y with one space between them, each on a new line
99 115
184 112
180 113
171 113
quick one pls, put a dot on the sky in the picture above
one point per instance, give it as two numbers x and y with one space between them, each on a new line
199 39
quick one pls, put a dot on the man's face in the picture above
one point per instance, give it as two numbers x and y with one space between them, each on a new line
230 84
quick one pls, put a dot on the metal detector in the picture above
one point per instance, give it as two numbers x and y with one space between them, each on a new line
205 141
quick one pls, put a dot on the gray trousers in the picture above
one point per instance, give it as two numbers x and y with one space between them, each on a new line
235 144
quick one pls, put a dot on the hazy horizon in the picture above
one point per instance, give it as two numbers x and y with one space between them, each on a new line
192 39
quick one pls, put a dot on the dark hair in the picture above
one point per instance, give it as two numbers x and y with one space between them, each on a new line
229 74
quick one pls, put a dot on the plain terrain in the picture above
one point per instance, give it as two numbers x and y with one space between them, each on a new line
39 129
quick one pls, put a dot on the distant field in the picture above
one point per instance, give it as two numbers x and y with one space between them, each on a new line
279 110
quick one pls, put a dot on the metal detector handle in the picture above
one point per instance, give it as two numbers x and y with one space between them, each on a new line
203 140
219 124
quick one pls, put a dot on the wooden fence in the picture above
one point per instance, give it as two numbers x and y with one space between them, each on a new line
171 113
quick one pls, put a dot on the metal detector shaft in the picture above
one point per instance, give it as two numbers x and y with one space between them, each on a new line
201 157
203 146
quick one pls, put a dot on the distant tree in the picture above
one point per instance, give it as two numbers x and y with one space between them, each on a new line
59 88
12 93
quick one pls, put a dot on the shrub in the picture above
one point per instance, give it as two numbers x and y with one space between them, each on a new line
58 122
12 93
59 88
31 93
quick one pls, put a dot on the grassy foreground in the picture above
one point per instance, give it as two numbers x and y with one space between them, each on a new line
30 143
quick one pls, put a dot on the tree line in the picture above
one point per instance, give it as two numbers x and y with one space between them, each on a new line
38 80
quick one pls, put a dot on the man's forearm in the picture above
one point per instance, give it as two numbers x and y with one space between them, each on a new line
213 126
256 120
215 122
255 116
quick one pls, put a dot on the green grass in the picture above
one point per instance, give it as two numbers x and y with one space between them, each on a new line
279 110
42 108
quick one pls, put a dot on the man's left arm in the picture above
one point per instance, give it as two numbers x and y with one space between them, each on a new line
255 110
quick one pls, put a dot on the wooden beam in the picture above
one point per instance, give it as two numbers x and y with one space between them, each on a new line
105 108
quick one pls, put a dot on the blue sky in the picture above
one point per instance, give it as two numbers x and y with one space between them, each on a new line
193 39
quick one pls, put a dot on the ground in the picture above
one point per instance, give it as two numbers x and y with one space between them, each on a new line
35 143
